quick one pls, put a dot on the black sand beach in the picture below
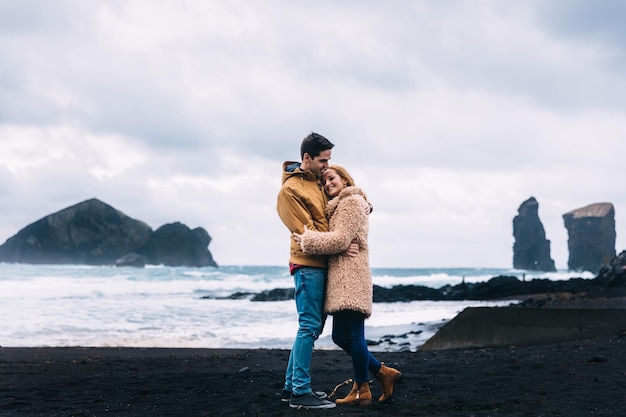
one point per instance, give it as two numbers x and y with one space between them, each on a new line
576 378
582 377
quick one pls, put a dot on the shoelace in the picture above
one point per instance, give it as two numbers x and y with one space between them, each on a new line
343 384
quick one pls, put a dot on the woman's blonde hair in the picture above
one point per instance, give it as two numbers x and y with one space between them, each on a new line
343 173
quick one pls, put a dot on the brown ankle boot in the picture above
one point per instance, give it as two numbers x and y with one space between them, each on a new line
388 378
359 395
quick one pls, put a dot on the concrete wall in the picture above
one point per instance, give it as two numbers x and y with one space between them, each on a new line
514 326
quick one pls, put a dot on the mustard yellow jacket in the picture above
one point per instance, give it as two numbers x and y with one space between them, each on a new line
302 201
349 284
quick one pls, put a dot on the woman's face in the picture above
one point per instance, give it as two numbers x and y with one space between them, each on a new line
333 183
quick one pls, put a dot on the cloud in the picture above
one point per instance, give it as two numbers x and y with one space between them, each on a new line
450 115
597 21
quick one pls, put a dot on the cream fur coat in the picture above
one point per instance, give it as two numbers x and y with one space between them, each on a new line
349 279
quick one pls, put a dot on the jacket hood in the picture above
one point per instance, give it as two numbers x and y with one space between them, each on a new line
292 169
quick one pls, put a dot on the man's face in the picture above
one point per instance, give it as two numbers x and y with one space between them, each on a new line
319 164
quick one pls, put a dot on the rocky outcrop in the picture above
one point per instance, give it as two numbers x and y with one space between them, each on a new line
531 249
175 244
613 273
95 233
90 232
591 241
609 285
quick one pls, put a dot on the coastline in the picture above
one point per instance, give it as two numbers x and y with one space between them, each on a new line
579 377
186 307
574 378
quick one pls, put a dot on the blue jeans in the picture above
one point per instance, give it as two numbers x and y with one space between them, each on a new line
310 288
349 335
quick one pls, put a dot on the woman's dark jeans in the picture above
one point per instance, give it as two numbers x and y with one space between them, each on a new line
349 335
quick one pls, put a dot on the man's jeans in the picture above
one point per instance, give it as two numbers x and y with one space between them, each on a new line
310 287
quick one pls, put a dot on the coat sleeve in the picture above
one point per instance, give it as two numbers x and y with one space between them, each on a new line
293 211
349 216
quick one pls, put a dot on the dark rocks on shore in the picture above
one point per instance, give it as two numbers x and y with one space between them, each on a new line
531 250
613 274
275 294
591 241
496 288
610 282
94 233
500 287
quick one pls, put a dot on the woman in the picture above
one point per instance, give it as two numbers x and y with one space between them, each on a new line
349 289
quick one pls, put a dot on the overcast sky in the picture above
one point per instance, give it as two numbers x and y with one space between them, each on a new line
449 114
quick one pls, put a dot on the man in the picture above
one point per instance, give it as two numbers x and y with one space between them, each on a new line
302 201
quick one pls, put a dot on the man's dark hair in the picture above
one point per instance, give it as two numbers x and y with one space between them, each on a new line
314 144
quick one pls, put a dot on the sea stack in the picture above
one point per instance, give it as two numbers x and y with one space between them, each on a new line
94 233
531 249
591 241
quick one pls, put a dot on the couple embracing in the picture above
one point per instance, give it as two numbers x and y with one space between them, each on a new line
328 218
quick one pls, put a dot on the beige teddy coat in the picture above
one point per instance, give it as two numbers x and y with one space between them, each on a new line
349 279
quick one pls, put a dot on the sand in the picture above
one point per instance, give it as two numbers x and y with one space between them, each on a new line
574 378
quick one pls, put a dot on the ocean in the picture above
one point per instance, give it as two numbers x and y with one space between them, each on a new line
159 306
